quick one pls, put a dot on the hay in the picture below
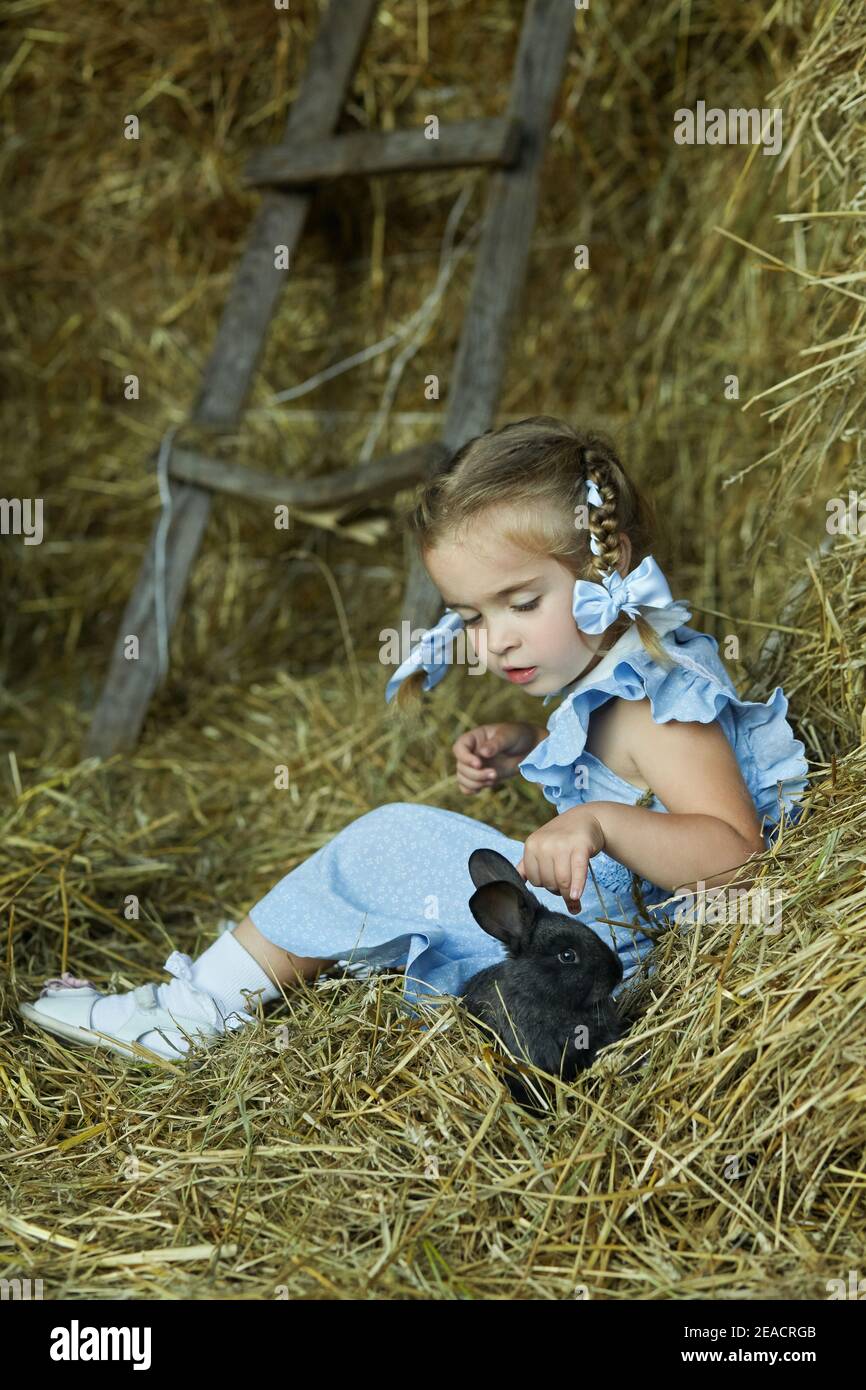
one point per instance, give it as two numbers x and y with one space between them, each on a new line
336 1150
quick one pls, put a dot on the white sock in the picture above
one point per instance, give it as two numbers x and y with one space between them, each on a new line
226 968
212 991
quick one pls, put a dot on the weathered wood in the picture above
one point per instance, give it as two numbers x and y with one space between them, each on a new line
493 141
351 485
479 363
255 290
500 259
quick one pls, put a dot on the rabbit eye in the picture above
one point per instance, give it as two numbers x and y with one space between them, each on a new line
568 957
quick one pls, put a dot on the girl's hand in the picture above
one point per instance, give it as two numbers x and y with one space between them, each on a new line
487 755
557 855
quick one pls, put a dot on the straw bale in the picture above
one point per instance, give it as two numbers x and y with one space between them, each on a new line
335 1149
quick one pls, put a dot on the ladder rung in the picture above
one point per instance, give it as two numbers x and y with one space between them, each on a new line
350 485
492 141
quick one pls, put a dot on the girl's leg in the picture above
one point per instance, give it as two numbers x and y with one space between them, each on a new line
207 994
277 963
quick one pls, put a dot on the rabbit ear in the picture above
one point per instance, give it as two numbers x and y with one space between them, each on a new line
504 912
488 866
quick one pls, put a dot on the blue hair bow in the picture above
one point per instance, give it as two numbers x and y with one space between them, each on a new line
596 606
432 654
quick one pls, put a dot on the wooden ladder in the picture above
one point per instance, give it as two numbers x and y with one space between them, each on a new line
513 148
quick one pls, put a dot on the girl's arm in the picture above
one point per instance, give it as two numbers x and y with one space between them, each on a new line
674 851
712 828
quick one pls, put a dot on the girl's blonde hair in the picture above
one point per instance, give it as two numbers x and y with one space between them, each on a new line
537 470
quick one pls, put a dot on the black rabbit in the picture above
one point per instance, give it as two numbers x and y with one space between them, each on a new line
555 1009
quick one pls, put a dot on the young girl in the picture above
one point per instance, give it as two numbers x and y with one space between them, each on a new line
661 777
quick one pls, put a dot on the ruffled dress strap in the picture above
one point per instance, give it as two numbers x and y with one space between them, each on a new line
696 688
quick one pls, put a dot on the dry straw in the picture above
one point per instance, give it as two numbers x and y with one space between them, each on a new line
337 1149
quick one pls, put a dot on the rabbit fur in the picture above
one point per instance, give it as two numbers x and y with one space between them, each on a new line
549 1001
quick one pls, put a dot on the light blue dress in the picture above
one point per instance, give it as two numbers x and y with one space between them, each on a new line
393 887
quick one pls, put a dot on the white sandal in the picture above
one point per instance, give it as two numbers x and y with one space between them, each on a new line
66 1004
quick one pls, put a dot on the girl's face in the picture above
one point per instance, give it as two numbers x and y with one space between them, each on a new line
529 630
